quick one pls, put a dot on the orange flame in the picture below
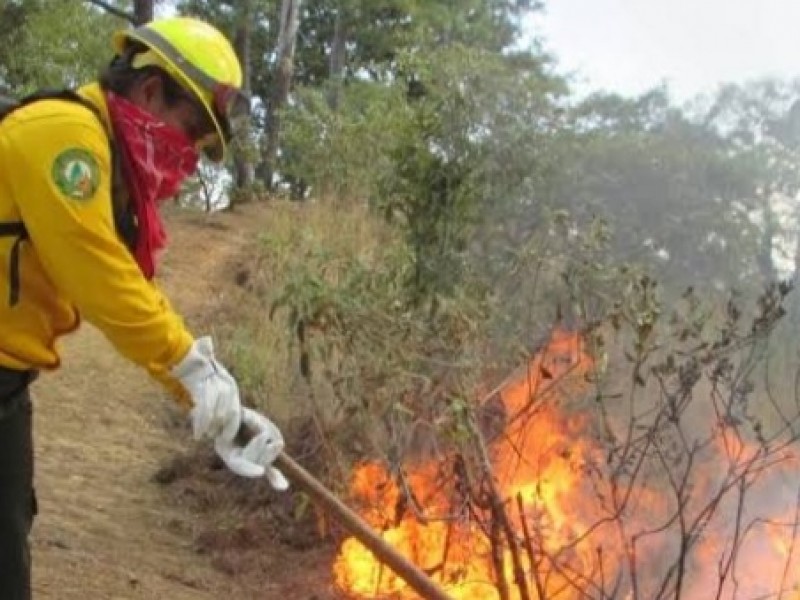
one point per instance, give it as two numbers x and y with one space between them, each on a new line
564 530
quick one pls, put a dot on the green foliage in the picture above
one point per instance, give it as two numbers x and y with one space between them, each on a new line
387 366
340 153
431 150
382 360
475 141
373 37
378 32
53 43
440 125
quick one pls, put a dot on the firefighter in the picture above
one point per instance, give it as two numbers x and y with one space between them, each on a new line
81 176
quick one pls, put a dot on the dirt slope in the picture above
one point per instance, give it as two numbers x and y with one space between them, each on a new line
106 530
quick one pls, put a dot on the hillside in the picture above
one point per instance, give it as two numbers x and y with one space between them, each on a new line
105 438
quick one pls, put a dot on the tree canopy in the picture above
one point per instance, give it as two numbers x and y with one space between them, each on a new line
435 112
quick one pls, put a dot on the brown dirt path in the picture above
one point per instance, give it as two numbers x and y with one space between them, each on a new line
102 430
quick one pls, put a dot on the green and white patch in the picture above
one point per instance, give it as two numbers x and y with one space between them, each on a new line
76 174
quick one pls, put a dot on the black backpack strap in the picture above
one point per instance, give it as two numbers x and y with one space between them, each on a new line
124 215
15 229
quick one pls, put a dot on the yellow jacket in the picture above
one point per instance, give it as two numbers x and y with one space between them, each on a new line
55 177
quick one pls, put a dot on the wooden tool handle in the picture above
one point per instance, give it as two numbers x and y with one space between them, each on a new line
404 568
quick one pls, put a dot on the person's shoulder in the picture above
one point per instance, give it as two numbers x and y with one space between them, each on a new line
54 115
52 123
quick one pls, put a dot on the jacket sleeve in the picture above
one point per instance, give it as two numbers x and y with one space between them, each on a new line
63 187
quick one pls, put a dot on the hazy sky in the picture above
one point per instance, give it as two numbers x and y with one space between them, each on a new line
632 45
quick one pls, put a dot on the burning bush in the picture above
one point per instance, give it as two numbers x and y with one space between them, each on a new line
668 483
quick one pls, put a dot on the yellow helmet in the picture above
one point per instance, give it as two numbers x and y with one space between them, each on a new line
201 60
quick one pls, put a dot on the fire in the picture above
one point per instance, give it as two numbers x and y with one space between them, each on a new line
573 533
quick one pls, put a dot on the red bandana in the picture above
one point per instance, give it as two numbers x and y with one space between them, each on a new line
156 158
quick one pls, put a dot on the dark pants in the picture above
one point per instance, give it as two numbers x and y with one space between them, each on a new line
17 500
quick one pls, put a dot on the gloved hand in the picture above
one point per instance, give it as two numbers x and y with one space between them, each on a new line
217 409
256 458
217 413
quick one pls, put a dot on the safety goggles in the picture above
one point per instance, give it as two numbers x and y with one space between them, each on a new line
231 110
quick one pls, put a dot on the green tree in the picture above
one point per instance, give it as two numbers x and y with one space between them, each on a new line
341 41
676 194
52 43
474 139
762 121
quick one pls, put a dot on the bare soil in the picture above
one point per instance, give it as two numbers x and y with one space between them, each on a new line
129 505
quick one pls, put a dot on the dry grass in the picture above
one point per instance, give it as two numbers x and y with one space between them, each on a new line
261 346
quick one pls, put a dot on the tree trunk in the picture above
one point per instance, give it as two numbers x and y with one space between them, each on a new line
243 171
142 11
289 24
337 60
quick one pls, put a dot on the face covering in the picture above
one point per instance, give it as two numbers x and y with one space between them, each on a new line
155 159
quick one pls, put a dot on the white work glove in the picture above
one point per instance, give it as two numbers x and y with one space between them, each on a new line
217 409
256 458
217 414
